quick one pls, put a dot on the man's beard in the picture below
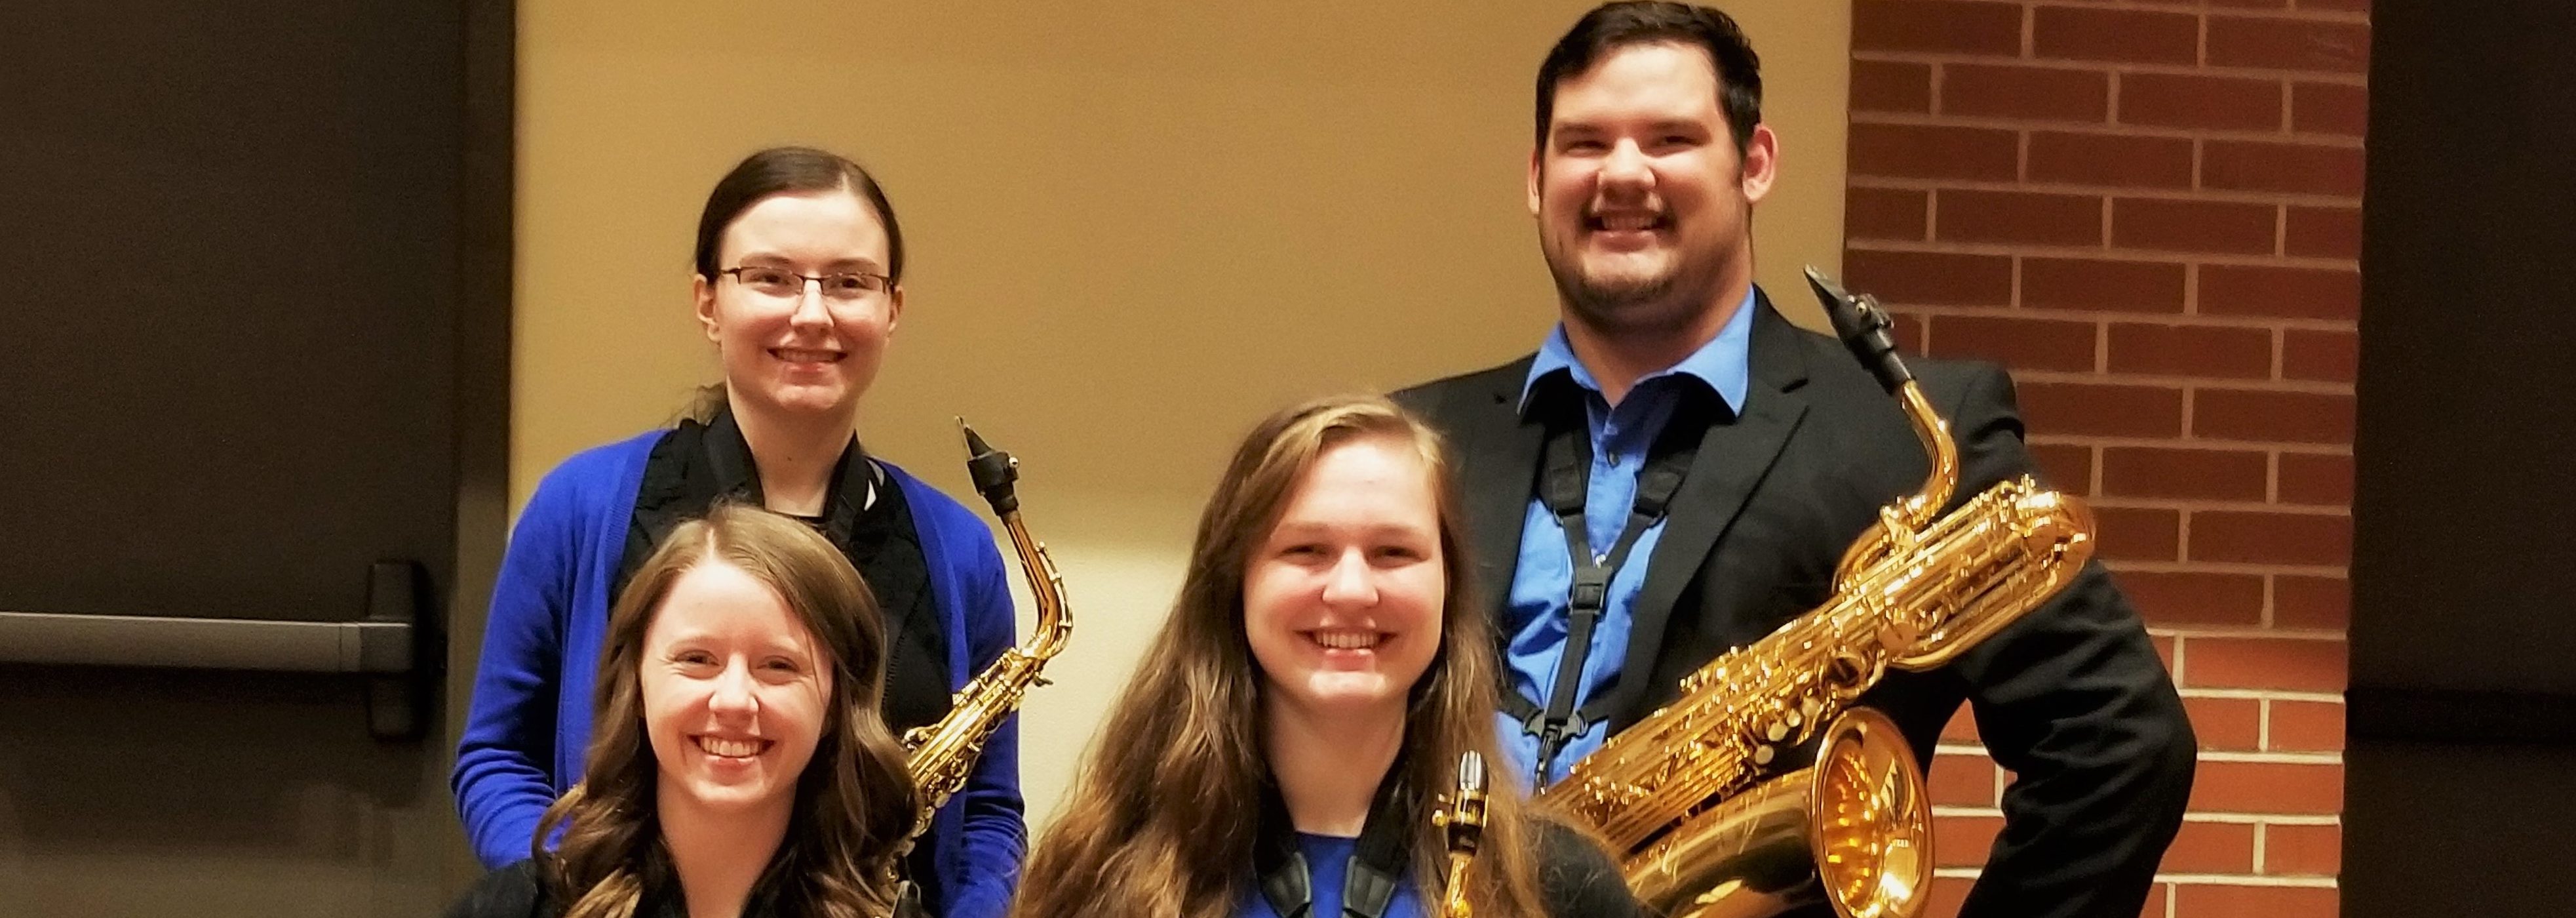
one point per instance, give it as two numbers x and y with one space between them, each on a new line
1632 302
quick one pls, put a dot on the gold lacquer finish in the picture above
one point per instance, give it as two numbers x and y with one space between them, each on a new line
1463 815
943 753
1856 822
1682 796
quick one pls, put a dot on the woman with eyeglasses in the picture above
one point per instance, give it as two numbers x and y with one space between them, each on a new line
738 766
798 283
1283 744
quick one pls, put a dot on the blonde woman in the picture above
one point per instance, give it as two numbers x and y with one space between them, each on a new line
1280 747
738 765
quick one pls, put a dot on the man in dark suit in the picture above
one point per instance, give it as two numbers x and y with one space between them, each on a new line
1669 365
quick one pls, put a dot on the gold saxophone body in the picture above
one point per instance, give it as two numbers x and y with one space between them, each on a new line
942 754
1682 796
1463 815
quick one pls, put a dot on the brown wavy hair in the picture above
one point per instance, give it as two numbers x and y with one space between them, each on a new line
855 802
1162 817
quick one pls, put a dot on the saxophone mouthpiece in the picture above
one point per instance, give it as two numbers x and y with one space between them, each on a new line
1471 771
992 470
1864 328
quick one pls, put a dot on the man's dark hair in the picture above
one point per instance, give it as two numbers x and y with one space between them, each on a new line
1613 26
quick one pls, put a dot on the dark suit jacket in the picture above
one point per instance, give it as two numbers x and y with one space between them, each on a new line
2072 698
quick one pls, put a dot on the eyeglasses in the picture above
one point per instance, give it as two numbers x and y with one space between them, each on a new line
780 283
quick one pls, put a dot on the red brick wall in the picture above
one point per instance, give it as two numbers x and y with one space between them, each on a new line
2150 210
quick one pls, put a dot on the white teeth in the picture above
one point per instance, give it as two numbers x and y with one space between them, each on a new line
1626 222
1346 640
730 748
799 356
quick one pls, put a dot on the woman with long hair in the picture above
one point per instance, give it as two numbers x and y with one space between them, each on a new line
798 284
1283 743
737 765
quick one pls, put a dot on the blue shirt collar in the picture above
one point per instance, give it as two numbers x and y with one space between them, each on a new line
1725 363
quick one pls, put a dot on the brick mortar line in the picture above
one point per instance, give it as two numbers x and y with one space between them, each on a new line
2285 137
2187 879
2272 585
2239 879
2329 572
2272 758
2141 192
2262 695
2195 505
2201 816
2272 819
2186 383
2304 449
2137 318
2310 635
2187 320
2187 6
2239 71
2256 758
2100 253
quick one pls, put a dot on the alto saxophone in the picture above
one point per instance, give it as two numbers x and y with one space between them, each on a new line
1463 815
941 755
1681 796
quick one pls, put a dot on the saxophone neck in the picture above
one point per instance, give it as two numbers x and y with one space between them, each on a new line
1942 480
1868 332
1463 815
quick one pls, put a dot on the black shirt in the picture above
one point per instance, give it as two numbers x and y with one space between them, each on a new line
518 891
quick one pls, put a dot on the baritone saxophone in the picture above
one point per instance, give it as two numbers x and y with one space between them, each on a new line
1688 798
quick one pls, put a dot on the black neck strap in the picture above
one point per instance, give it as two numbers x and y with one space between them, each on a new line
1279 864
1565 481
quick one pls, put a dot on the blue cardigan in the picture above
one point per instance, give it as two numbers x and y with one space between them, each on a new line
528 725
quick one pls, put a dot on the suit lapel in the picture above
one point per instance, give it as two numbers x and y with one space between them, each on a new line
1498 454
1733 458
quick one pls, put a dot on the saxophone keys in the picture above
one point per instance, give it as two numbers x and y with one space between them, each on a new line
1898 636
1762 755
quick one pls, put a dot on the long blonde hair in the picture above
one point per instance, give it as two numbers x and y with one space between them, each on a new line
854 803
1162 818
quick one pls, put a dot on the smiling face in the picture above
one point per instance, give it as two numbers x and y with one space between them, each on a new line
734 691
813 352
1644 206
1342 601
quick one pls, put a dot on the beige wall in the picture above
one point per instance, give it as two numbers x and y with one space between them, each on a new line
1134 228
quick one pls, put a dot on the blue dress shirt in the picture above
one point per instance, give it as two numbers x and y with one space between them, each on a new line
1537 615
